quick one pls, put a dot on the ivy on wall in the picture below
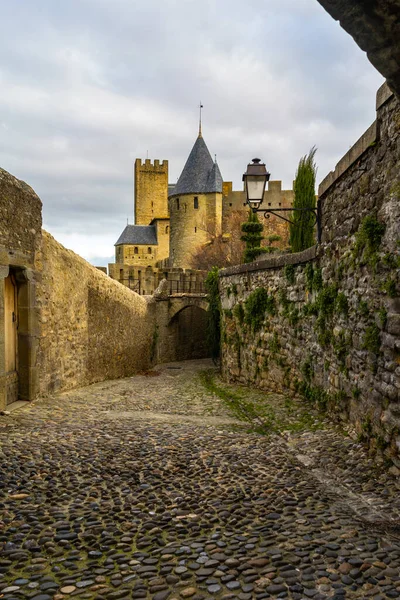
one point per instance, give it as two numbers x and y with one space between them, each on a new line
214 313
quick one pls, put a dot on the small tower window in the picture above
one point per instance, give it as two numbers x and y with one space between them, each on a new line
167 229
136 250
177 204
195 229
148 250
195 202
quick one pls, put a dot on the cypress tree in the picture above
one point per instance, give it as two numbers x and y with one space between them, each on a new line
252 230
302 230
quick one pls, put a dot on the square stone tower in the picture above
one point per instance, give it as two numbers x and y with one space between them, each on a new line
151 191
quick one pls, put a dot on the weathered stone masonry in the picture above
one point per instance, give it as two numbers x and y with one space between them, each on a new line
330 318
65 324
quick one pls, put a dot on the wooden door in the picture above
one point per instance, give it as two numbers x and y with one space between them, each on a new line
11 346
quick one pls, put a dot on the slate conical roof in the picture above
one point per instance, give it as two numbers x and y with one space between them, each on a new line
214 181
200 174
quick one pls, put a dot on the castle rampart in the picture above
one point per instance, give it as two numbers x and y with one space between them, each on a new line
332 333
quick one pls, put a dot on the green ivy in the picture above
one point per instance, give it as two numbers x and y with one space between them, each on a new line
238 312
274 345
290 273
368 238
326 300
341 347
372 341
342 304
317 281
310 309
363 308
390 287
307 369
382 316
255 307
309 273
314 394
214 313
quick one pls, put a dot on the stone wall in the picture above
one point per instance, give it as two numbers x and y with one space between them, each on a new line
274 197
91 327
326 323
20 237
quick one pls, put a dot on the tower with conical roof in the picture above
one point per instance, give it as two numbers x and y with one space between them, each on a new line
195 205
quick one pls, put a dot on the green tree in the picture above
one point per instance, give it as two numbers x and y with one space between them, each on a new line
302 229
253 237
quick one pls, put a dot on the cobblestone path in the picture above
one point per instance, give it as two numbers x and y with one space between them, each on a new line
152 487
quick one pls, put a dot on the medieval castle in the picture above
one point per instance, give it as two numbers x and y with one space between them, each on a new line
173 220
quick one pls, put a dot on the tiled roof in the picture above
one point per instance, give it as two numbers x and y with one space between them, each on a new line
214 181
200 175
138 234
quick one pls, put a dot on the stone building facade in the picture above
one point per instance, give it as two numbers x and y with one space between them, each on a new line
20 239
330 326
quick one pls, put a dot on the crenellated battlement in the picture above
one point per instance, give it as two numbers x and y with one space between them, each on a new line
148 165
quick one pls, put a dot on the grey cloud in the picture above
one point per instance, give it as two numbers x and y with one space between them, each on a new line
89 85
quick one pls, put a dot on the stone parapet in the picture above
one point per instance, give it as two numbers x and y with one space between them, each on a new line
329 322
272 262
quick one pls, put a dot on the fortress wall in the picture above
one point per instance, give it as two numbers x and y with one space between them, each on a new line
91 327
274 197
20 238
332 330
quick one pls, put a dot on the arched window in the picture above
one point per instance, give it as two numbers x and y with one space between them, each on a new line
177 204
136 250
167 229
149 250
195 229
195 202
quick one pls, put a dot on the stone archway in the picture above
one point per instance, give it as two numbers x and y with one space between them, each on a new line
188 329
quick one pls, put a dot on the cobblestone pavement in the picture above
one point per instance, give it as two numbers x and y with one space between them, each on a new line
153 487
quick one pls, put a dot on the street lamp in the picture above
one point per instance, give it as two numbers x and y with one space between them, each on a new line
255 180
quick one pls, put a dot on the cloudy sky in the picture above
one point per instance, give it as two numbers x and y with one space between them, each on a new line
89 85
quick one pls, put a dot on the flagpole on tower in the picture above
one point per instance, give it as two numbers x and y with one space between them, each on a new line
200 107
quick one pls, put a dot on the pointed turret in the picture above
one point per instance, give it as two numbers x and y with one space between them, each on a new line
214 181
197 172
195 205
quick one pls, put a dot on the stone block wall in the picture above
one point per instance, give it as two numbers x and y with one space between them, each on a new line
91 327
274 197
20 238
326 323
